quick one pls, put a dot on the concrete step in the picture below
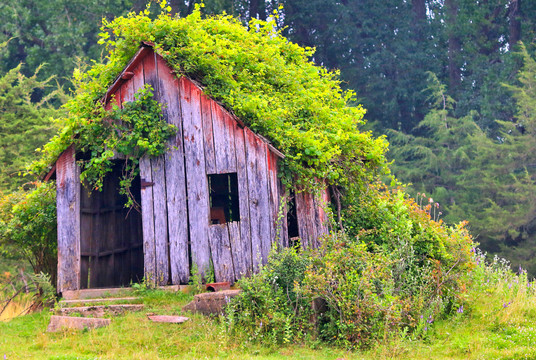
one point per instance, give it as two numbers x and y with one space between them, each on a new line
100 310
58 323
82 302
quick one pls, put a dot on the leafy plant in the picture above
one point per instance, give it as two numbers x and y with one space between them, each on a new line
269 307
25 124
134 130
196 280
28 226
267 81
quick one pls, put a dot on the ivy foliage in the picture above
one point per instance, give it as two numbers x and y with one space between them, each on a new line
132 131
267 81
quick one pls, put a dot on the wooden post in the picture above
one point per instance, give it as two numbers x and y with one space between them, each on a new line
68 212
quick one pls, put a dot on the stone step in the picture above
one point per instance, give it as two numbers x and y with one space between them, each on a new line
167 319
101 310
95 293
212 303
116 292
58 323
81 302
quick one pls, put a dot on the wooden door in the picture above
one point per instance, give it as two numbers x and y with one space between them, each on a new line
111 243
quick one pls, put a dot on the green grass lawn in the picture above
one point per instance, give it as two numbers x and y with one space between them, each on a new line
497 321
487 329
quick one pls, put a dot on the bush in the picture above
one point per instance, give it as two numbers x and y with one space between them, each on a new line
28 226
270 308
396 270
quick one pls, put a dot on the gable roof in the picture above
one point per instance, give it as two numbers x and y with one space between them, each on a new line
268 82
147 48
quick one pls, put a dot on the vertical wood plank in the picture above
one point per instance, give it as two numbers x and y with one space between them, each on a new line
271 161
196 178
242 246
68 213
237 250
259 209
147 215
175 178
324 215
114 99
301 213
222 127
221 253
321 219
206 114
160 220
146 176
310 218
151 76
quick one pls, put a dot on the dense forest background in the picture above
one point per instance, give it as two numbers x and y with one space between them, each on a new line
452 83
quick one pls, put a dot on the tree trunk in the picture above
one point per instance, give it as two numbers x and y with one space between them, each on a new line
454 44
418 7
257 10
514 17
419 10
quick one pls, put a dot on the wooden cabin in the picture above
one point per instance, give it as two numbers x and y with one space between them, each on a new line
212 201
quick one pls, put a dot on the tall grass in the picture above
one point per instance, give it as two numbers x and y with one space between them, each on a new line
15 307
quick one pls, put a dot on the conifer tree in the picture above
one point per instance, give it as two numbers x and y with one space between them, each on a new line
24 125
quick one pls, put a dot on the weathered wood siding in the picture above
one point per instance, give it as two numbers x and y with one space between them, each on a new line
312 218
68 213
175 204
175 193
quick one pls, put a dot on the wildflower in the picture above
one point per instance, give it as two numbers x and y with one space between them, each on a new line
505 305
431 200
460 310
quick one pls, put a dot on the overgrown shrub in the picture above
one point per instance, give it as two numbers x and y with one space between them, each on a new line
396 271
406 230
28 226
270 307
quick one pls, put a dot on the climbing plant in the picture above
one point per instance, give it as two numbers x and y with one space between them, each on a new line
129 132
266 80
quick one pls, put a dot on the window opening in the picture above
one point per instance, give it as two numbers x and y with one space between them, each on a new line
292 221
224 205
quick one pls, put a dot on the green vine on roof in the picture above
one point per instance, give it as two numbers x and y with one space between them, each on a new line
266 80
127 133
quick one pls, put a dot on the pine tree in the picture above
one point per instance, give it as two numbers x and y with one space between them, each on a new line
24 125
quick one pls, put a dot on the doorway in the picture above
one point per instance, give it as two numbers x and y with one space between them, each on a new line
111 238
